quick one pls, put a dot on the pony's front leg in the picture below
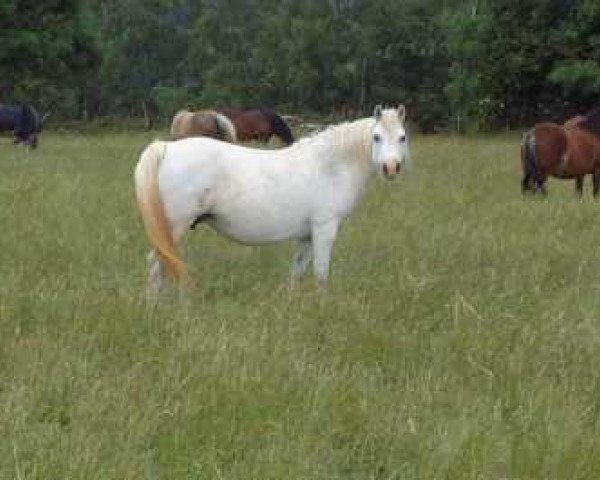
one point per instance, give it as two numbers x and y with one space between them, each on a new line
579 186
596 183
302 259
323 237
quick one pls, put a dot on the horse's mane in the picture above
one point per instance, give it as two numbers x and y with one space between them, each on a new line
591 121
280 128
350 138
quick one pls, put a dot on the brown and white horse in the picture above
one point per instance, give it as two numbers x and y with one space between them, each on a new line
203 123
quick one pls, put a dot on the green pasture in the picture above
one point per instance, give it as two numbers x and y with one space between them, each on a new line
459 338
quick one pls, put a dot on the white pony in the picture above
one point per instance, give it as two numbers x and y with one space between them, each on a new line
253 196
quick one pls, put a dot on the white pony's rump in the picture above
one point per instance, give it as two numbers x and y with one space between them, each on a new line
253 196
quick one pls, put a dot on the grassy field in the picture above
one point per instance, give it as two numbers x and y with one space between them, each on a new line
459 339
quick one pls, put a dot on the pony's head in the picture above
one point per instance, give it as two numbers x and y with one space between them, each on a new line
389 149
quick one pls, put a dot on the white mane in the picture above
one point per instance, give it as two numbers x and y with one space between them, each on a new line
351 140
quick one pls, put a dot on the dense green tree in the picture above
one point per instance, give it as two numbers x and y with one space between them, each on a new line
455 63
577 67
508 58
143 48
47 51
407 58
222 52
322 56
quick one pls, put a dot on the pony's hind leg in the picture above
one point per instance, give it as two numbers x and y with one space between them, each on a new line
183 211
157 270
579 186
529 184
156 274
541 186
526 183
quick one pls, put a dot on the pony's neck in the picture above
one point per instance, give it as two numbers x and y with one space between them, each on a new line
348 143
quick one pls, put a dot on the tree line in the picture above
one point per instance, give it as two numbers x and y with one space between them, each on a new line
456 64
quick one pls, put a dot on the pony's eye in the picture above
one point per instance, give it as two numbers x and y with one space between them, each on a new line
377 138
402 139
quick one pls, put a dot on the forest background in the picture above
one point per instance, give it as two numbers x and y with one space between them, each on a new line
466 65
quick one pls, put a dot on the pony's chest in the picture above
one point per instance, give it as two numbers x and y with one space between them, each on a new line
341 190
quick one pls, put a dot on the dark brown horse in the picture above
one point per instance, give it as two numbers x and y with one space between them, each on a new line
258 124
567 151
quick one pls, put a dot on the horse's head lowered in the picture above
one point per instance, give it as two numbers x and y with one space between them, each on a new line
389 144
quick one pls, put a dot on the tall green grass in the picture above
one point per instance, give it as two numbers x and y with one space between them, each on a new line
459 338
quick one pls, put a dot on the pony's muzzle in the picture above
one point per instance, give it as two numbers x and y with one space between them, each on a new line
391 169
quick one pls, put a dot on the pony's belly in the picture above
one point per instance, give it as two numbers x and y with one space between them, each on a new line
254 230
257 213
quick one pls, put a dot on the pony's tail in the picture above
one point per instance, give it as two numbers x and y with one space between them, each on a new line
226 127
529 161
280 128
153 211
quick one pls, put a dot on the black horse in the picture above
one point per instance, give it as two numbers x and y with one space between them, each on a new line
23 120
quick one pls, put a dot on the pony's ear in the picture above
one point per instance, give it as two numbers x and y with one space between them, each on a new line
377 112
402 113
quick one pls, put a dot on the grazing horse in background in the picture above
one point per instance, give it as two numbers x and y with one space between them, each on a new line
567 151
24 121
255 196
258 124
203 123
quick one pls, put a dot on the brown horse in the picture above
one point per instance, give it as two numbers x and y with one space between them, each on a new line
571 150
258 124
203 123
